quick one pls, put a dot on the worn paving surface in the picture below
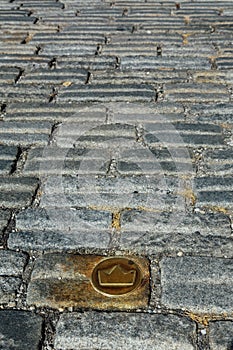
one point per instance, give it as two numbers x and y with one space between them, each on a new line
116 122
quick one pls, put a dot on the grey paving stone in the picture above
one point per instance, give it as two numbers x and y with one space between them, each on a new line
4 218
214 191
65 220
197 93
221 335
7 158
59 241
25 133
177 231
55 112
108 93
11 263
197 284
61 229
17 192
93 330
218 162
9 286
19 330
154 63
119 192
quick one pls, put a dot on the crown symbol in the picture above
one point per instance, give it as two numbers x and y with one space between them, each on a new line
116 276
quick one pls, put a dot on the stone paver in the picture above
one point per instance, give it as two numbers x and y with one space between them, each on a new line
197 284
116 136
11 269
65 280
221 335
19 330
93 330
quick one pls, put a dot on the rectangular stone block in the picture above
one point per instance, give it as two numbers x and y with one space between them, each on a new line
197 284
113 331
154 232
62 280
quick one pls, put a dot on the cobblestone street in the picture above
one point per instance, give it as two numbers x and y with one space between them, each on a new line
116 175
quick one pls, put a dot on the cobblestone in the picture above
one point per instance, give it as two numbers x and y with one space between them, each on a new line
109 331
116 139
19 330
17 192
7 159
176 232
11 269
197 284
61 281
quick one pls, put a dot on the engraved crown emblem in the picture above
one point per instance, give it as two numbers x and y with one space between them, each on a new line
116 276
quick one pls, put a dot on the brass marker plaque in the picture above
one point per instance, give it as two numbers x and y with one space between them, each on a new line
116 276
90 281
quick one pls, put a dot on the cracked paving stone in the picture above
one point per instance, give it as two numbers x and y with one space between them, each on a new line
66 280
197 284
112 331
20 330
221 335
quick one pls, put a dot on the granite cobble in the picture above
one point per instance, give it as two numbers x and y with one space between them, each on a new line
197 284
116 139
109 331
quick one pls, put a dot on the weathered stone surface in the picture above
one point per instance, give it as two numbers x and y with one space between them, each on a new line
17 192
221 335
197 284
176 231
116 191
11 269
11 263
64 280
9 286
7 158
93 330
19 330
215 191
4 218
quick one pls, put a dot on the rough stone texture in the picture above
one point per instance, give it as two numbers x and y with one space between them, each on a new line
4 218
17 192
65 280
7 158
59 229
11 269
19 330
93 330
11 263
197 284
134 98
9 286
221 335
177 231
